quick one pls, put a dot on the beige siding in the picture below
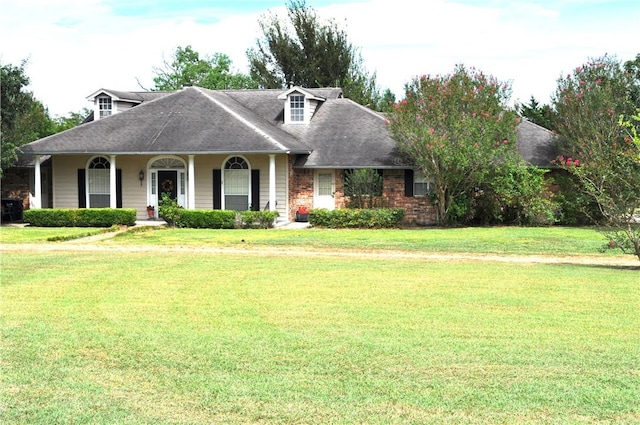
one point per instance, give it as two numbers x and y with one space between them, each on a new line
65 180
205 165
134 194
122 106
262 163
313 105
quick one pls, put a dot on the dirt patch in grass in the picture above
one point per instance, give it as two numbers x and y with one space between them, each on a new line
92 244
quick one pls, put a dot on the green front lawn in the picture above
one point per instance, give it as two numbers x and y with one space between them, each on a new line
175 338
484 240
489 240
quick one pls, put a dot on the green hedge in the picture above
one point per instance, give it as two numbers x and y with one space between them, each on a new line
204 219
258 219
80 217
357 218
218 219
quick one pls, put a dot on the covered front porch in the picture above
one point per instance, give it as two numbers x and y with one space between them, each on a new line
208 181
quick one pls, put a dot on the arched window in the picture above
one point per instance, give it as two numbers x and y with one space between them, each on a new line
237 181
99 182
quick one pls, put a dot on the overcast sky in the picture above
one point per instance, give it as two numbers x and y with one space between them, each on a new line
75 47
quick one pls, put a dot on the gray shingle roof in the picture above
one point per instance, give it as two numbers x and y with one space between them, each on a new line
192 120
344 134
341 134
536 144
132 96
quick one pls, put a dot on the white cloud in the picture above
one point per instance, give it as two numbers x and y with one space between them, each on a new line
75 47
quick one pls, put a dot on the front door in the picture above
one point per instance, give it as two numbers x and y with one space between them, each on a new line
167 183
324 189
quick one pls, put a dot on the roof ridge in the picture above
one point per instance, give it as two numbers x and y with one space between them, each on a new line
241 119
369 110
525 119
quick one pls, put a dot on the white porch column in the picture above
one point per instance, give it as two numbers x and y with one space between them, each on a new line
191 179
36 200
112 182
272 182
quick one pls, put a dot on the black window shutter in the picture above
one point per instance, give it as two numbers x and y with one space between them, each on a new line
118 188
217 189
82 188
255 190
408 183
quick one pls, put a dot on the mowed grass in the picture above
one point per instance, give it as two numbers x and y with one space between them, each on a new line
555 241
502 240
175 338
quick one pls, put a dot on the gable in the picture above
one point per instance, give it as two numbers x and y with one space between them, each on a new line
192 120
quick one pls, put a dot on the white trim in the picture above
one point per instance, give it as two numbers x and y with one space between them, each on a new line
152 198
272 182
222 182
113 196
305 93
306 113
87 187
322 201
92 96
191 183
36 200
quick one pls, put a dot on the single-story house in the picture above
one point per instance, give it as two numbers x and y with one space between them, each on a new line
229 149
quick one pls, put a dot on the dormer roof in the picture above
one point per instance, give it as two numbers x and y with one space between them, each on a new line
127 96
320 94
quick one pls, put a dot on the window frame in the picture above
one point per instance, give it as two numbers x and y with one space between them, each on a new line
105 106
98 181
297 106
420 179
233 164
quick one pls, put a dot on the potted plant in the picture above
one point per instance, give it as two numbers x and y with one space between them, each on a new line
151 211
302 214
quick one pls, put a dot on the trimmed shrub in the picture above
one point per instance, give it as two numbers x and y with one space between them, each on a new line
205 219
258 219
80 217
50 217
105 217
357 218
170 211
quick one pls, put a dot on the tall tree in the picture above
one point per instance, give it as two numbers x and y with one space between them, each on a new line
632 67
23 118
599 149
72 119
459 131
543 115
308 52
187 68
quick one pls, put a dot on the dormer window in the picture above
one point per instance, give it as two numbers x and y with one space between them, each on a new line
299 105
104 106
296 107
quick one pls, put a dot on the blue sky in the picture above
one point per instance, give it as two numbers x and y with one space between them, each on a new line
75 47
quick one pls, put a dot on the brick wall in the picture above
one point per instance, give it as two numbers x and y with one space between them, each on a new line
300 188
15 185
418 209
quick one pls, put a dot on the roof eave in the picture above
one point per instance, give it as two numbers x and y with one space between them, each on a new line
220 152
